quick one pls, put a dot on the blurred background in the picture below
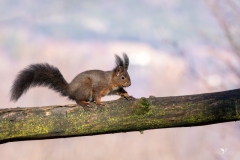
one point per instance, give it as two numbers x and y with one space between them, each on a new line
175 48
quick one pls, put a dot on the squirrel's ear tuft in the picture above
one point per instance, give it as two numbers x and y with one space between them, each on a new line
119 61
119 65
126 61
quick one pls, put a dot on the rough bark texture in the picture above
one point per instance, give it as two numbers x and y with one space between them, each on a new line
17 124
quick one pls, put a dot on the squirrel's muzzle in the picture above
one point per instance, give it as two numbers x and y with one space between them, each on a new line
127 84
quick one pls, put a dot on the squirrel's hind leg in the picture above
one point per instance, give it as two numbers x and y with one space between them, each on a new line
84 104
81 91
97 100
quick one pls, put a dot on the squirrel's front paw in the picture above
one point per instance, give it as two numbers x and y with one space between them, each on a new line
130 98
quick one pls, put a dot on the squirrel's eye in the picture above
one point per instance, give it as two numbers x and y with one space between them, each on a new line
123 77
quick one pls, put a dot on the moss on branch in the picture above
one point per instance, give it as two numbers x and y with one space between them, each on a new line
49 122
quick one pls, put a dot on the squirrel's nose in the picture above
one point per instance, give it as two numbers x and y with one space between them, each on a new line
129 84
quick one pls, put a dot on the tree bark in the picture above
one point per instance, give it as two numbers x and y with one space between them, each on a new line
18 124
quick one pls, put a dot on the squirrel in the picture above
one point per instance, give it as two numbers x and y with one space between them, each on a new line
86 87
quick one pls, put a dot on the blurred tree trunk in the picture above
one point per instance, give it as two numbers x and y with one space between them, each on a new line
227 14
18 124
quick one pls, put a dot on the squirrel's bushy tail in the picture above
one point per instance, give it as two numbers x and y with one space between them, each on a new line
35 75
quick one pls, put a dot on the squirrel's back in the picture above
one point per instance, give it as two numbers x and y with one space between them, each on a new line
96 76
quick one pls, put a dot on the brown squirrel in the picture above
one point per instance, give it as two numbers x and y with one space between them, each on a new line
86 87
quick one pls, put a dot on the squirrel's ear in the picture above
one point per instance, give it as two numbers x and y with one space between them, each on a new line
118 70
126 61
119 61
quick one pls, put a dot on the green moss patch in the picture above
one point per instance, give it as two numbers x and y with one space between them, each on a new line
142 106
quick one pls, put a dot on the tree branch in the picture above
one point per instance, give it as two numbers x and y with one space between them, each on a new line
18 124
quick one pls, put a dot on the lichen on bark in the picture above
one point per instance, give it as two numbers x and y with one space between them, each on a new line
121 115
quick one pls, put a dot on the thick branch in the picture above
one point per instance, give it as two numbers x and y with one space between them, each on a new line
50 122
